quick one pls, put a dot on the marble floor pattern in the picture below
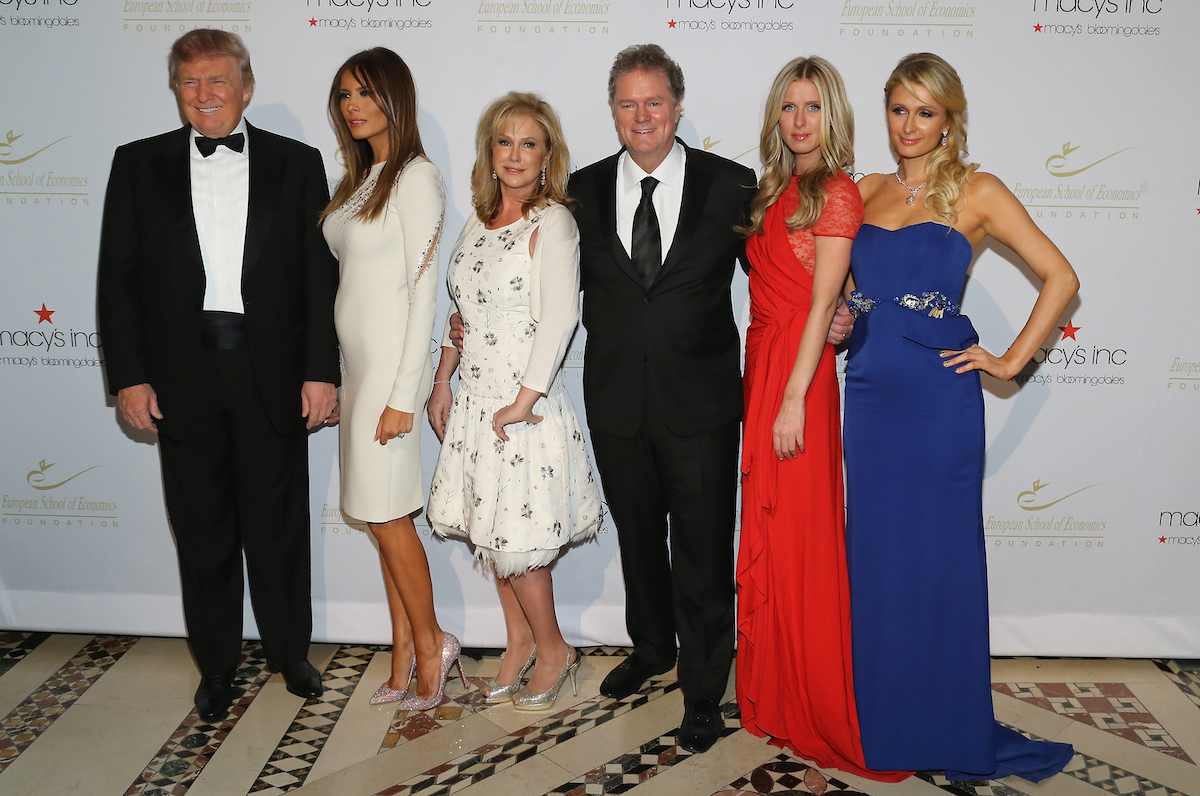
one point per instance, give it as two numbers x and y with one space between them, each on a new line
113 715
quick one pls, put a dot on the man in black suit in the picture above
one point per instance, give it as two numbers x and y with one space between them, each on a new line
662 381
216 297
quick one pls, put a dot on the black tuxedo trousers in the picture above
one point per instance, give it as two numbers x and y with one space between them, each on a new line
235 486
679 571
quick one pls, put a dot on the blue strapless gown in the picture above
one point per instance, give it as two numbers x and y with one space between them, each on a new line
914 442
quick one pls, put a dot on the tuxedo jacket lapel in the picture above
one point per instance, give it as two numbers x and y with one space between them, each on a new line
173 170
696 184
606 205
266 173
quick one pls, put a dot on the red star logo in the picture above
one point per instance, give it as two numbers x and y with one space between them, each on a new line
671 24
1069 330
1162 540
1038 28
312 23
44 314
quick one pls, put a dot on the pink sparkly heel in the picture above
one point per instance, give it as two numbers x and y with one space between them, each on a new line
384 694
450 652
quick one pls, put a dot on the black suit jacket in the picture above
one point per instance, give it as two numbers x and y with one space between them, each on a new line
151 278
679 333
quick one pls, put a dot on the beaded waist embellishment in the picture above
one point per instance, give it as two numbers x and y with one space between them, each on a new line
936 303
860 304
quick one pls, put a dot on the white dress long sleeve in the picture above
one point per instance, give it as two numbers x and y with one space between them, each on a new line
517 502
384 312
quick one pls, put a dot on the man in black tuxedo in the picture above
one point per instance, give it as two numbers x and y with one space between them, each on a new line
662 381
216 297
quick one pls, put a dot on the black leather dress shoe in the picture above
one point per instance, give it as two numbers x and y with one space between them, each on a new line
702 725
628 676
214 696
303 680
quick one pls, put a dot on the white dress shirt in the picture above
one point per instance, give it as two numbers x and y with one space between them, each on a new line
220 204
668 195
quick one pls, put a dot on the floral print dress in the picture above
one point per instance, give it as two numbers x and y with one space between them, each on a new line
520 502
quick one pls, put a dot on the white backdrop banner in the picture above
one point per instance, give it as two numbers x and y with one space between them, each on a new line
1086 109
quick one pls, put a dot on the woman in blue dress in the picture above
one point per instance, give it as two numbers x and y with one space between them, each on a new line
914 440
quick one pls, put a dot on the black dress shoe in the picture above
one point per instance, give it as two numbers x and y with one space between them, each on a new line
628 676
303 680
214 696
702 725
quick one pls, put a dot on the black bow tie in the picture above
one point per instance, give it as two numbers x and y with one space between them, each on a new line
209 145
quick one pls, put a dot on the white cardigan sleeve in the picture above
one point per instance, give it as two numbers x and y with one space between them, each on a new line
554 296
419 200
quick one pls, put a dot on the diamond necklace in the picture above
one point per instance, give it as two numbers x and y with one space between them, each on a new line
911 190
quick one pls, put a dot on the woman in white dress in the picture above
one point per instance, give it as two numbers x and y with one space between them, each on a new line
384 224
513 477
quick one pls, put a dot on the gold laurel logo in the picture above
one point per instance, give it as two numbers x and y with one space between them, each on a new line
6 148
1055 164
37 478
1029 497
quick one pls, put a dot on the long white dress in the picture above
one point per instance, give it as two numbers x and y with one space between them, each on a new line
385 310
517 502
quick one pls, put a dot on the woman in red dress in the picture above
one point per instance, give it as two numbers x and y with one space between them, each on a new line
794 671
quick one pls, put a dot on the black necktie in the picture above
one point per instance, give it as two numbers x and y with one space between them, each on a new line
209 145
646 245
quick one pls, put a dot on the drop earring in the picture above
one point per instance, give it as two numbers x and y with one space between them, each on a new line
543 175
945 135
493 174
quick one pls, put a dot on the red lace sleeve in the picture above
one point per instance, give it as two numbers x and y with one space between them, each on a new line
843 212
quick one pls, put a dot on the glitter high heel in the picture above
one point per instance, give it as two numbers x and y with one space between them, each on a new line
384 694
497 693
527 700
450 651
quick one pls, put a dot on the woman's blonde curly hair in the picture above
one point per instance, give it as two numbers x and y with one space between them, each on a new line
947 170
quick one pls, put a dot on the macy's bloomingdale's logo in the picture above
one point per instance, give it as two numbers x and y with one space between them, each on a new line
1071 363
368 14
46 14
44 346
1179 519
741 17
1054 531
43 507
1119 19
1079 199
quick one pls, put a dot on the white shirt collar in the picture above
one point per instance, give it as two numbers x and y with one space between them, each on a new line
241 128
669 172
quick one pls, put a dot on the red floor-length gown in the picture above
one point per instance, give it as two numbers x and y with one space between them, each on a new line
794 670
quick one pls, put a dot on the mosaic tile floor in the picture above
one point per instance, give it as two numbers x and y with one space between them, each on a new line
101 715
